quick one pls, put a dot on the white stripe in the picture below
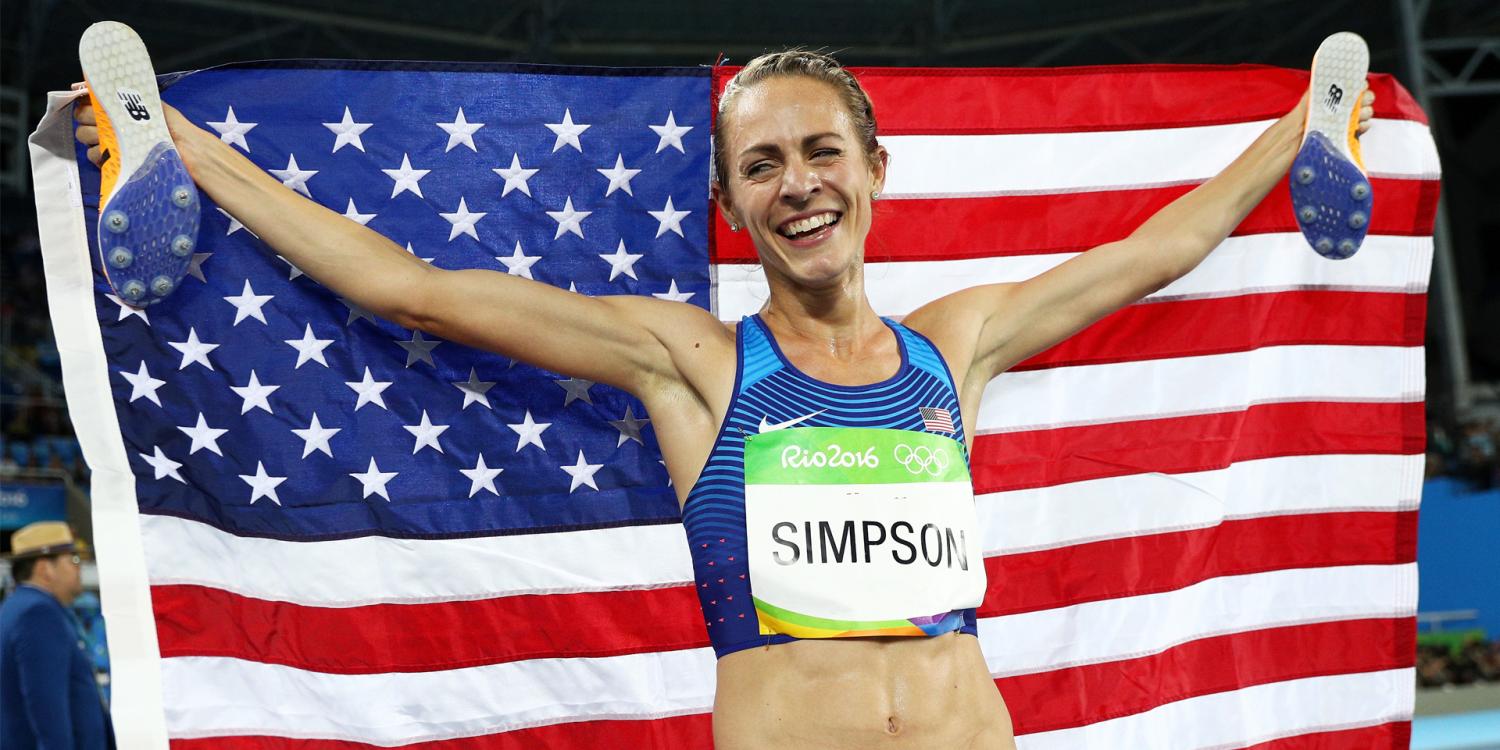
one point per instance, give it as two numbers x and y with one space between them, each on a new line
1136 626
134 654
1152 389
1241 265
1153 503
207 696
1028 163
1249 716
189 552
218 697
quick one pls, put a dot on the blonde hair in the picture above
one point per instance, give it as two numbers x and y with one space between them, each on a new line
796 62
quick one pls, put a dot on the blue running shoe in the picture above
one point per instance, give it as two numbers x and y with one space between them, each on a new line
1330 192
148 205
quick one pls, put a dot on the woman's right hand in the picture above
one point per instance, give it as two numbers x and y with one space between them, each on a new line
87 131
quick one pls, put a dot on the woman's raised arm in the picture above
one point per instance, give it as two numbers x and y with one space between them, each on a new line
621 341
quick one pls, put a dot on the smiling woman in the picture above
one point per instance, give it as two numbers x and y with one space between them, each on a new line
814 425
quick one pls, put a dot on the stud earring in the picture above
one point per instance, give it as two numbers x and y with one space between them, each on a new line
733 227
874 195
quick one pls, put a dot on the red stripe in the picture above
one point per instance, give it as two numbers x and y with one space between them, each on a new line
1043 100
201 621
1072 222
672 733
1077 696
1176 445
1154 563
1160 330
1393 736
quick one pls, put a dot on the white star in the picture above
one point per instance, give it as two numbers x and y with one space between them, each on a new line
369 391
203 436
295 272
262 484
193 350
567 132
481 477
234 224
621 262
582 473
460 131
530 432
254 394
569 220
232 131
463 221
426 433
126 310
351 213
474 390
664 468
619 176
164 467
356 312
518 263
406 178
577 388
142 384
373 480
347 132
248 304
669 219
671 133
294 176
309 348
672 295
195 266
515 176
315 437
629 427
414 254
418 348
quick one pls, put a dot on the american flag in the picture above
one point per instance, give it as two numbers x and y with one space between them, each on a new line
1199 514
936 420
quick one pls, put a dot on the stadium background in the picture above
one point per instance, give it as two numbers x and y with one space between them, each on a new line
1447 53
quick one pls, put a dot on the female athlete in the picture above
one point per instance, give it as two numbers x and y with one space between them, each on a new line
767 424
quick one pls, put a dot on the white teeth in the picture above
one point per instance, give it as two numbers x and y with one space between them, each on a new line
809 224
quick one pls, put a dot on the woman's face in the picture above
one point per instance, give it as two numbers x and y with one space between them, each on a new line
799 181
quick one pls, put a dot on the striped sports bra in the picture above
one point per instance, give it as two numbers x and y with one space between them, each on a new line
829 472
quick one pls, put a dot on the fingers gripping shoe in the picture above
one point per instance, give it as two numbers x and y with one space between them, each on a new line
1330 191
148 206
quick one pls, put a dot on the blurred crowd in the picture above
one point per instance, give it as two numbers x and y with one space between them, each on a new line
1473 660
35 432
1466 449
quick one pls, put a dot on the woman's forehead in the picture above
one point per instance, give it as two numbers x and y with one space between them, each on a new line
787 107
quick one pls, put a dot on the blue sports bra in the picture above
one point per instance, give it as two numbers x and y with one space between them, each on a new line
771 393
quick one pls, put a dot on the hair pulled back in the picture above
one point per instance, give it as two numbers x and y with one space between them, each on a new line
808 64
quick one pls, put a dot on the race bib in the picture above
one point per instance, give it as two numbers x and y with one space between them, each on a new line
858 532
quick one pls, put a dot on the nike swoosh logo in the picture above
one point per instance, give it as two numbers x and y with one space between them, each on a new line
768 427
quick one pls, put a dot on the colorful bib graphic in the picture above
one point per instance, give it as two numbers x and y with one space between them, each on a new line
856 531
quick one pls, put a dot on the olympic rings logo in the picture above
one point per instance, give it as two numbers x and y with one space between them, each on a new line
922 459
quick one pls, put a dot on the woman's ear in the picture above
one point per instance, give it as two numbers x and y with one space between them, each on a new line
720 198
877 172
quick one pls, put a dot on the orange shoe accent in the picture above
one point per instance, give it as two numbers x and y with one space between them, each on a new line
110 168
1353 131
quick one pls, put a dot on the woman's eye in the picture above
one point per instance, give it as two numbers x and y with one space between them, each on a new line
824 153
757 168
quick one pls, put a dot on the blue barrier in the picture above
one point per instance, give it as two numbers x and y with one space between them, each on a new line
1457 556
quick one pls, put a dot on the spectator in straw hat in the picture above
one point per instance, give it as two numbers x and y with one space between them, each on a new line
48 697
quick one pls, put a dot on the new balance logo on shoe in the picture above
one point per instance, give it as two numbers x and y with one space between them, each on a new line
1335 95
134 106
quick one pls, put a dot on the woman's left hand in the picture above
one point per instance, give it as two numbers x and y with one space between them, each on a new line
1366 112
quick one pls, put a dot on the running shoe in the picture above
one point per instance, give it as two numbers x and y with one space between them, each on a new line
148 205
1330 192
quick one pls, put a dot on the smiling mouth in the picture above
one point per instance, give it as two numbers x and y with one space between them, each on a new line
802 229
